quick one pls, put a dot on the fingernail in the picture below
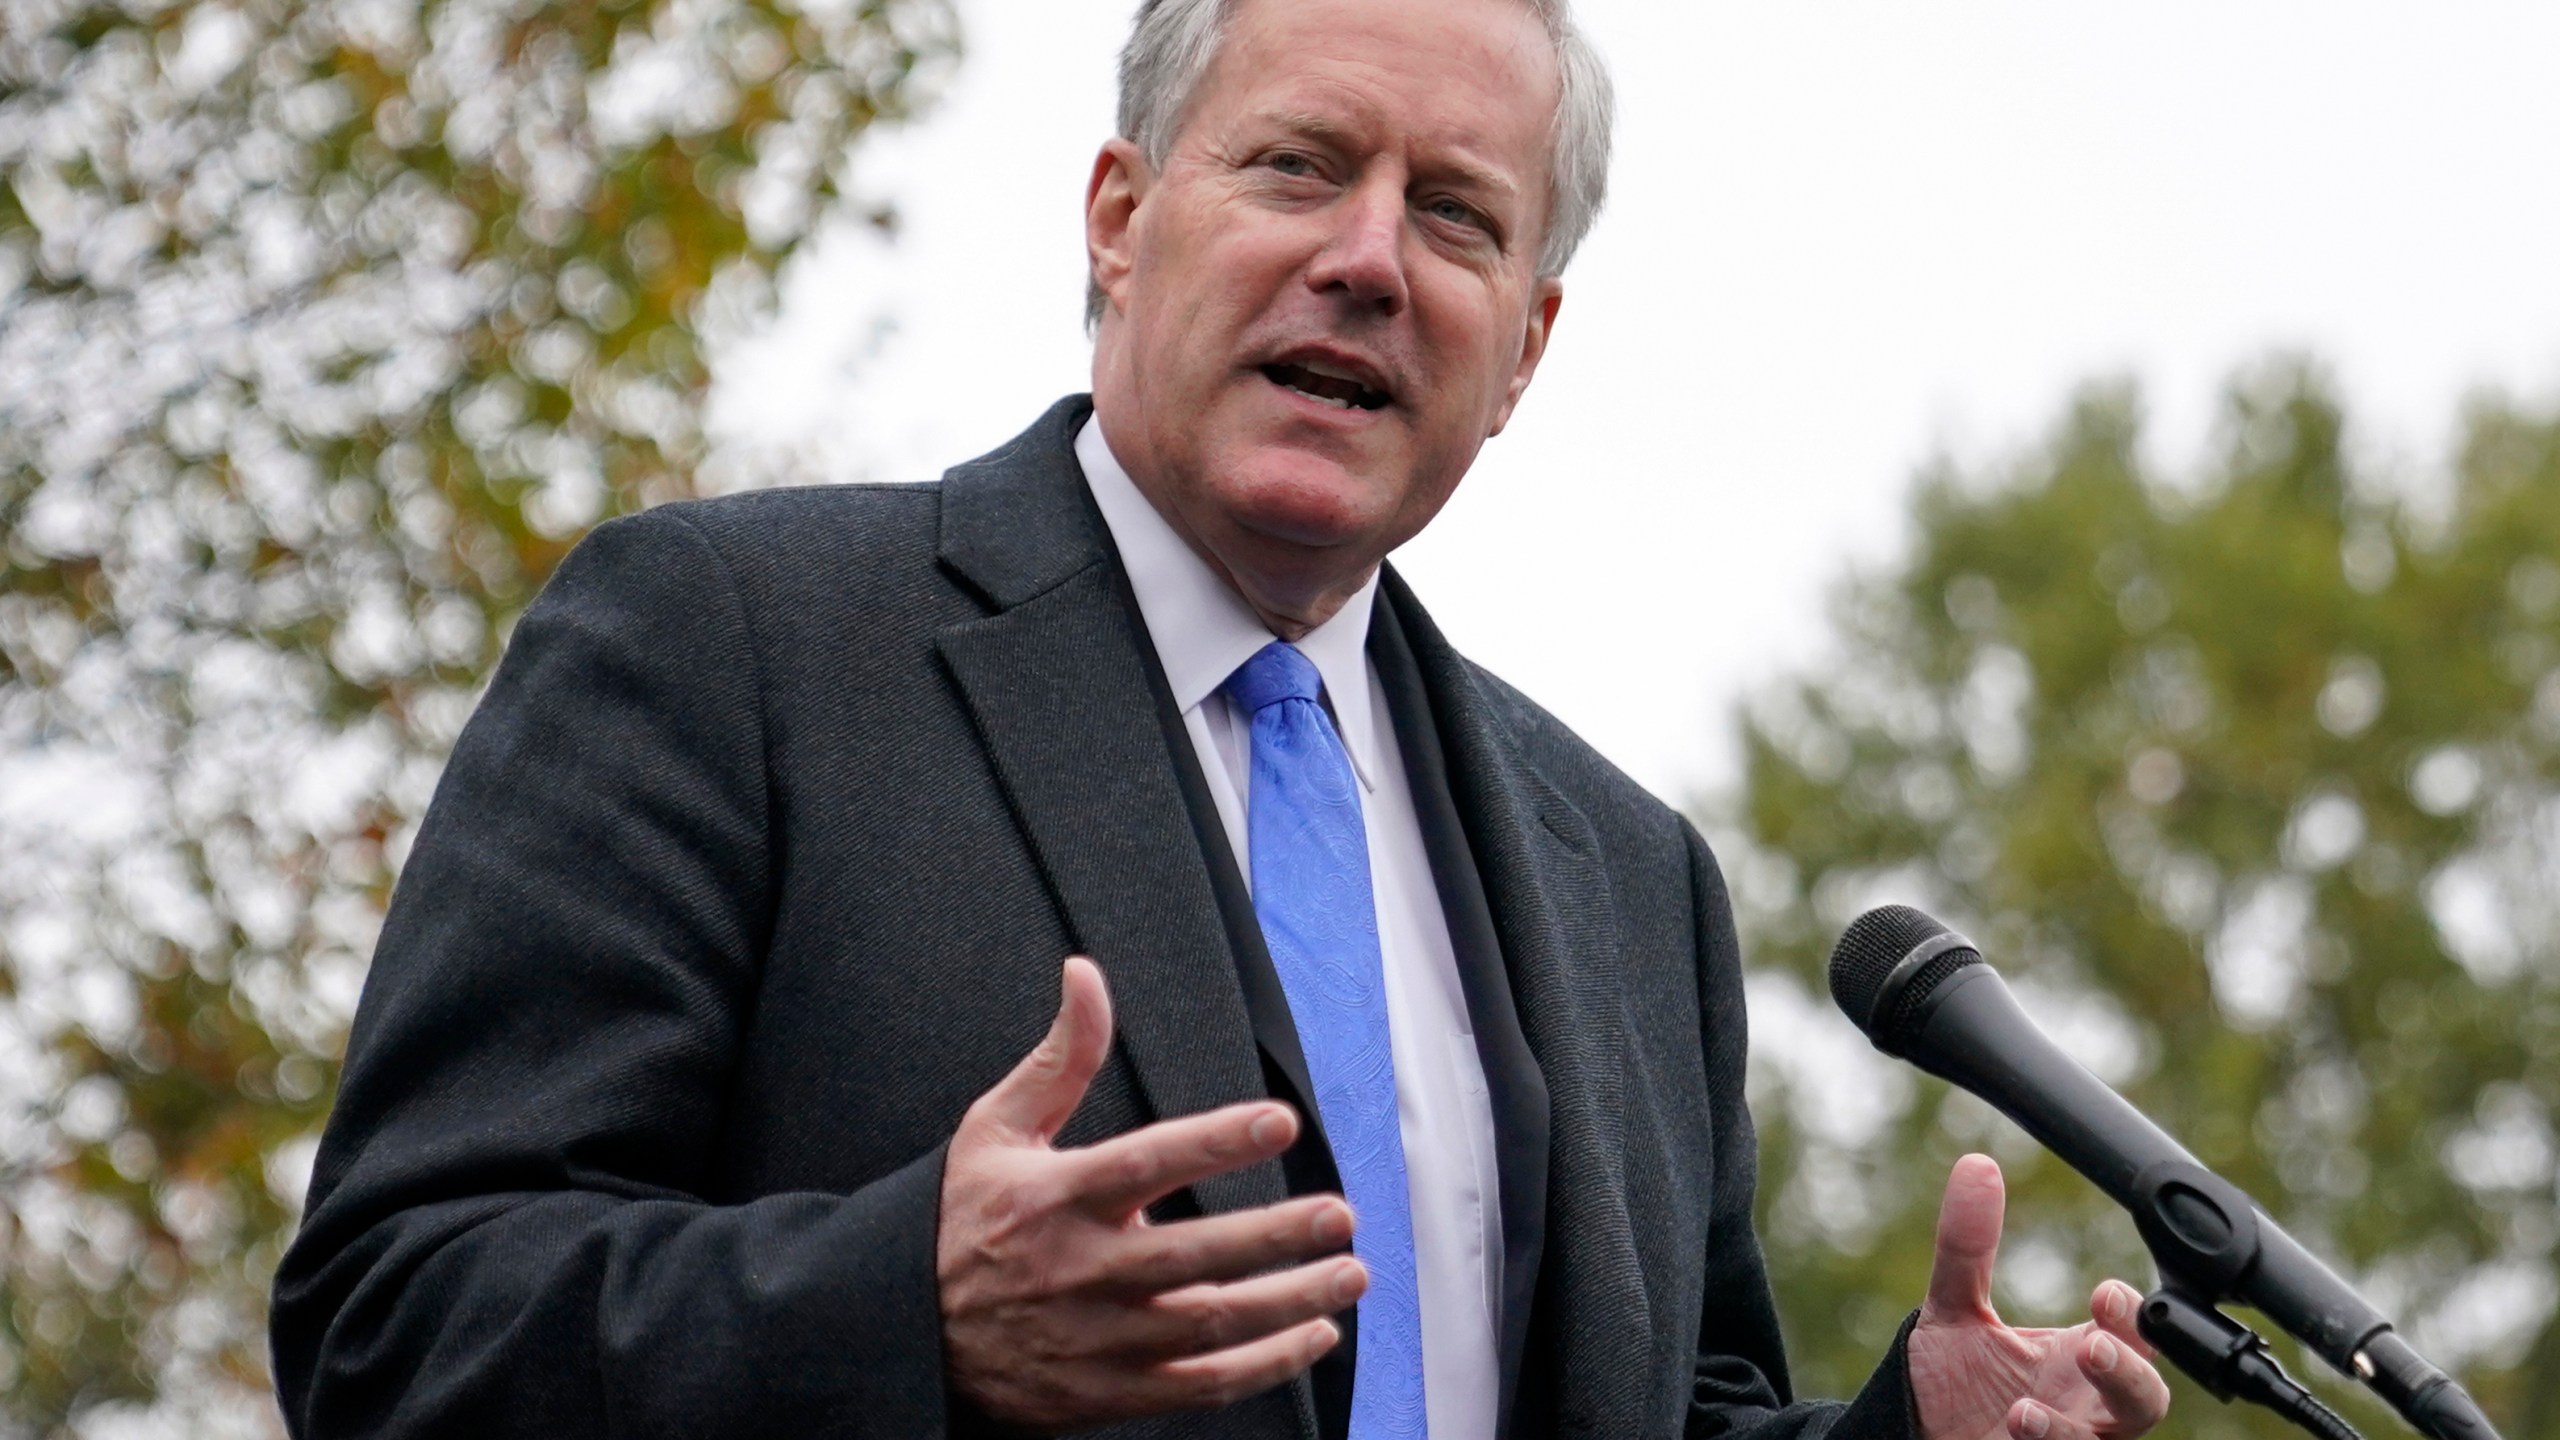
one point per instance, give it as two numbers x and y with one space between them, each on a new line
1270 1128
2035 1422
2102 1353
1348 1282
1333 1224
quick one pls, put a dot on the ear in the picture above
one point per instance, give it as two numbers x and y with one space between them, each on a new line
1545 299
1118 185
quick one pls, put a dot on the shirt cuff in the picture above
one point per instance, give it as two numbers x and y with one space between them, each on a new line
1885 1409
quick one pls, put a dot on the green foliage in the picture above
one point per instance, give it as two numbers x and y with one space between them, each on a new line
325 327
2252 786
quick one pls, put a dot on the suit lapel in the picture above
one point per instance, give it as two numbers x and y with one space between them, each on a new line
1552 913
1513 1082
1057 684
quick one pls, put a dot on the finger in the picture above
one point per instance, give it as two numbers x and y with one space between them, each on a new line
1968 1241
1036 1098
2133 1391
2028 1420
1199 1382
1201 1318
2117 1307
1157 1258
1119 1176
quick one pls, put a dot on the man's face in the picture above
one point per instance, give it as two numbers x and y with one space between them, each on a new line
1327 300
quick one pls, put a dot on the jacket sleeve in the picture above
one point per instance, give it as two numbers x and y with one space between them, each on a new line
1741 1387
508 1231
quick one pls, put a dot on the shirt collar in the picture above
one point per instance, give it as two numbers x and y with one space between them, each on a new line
1202 628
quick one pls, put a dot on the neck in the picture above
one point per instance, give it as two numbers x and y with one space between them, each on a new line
1289 621
1289 603
1287 610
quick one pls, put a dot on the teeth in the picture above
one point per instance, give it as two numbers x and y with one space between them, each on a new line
1326 383
1338 404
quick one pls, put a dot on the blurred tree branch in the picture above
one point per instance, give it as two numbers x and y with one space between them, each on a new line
325 328
2252 785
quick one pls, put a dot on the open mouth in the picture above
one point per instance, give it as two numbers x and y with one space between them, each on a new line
1319 381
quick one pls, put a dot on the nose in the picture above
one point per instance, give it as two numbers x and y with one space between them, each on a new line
1362 261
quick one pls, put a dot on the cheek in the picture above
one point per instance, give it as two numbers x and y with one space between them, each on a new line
1185 336
1200 261
1479 363
1474 325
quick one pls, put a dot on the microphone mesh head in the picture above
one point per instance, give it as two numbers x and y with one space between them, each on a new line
1869 950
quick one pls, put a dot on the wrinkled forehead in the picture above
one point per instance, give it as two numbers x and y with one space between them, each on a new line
1476 80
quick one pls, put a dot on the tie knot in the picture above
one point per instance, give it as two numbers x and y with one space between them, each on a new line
1276 672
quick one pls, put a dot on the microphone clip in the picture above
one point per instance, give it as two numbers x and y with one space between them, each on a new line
2200 1227
2203 1231
2230 1360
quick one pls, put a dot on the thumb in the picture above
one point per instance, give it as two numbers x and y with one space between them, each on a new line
1034 1100
1968 1242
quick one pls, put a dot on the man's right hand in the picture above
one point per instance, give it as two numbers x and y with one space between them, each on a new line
1063 1307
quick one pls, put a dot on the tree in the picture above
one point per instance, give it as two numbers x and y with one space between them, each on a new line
326 326
2252 786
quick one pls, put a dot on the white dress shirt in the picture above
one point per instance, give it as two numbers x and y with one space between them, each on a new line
1202 631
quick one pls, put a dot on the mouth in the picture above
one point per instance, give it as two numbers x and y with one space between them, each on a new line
1329 382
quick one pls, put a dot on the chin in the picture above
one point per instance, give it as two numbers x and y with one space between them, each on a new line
1290 495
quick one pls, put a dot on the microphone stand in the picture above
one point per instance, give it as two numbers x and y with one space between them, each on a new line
2231 1360
2204 1233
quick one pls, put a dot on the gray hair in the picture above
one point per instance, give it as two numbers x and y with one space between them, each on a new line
1173 41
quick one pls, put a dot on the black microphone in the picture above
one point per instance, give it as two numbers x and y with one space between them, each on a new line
1922 992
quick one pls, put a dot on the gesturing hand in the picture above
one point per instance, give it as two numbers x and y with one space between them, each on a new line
1062 1307
1974 1378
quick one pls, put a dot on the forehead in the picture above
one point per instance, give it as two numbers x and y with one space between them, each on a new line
1475 77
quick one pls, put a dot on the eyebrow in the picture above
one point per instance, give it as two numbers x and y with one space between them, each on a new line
1327 130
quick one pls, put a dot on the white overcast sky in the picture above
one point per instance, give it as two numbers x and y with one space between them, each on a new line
1843 235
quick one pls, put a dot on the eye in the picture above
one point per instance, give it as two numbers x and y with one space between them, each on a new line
1454 211
1290 162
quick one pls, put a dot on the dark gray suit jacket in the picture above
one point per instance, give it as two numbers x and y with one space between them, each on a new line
754 868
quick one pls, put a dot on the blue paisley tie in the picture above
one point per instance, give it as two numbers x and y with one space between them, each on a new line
1311 893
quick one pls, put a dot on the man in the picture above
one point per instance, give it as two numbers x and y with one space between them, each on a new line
689 1094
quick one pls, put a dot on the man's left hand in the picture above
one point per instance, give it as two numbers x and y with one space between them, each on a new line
1974 1378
